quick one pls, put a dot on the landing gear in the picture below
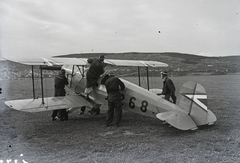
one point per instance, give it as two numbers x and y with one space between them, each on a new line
94 111
82 110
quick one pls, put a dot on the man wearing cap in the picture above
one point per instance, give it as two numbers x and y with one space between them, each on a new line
94 72
168 87
59 84
113 87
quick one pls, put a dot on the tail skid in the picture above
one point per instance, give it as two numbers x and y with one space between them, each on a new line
192 102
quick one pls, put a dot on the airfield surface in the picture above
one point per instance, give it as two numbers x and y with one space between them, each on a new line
34 138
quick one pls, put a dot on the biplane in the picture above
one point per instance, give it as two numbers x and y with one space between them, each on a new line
188 113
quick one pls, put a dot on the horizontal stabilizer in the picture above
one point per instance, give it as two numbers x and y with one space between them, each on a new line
211 118
50 103
178 120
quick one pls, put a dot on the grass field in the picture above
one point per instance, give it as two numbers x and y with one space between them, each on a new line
33 137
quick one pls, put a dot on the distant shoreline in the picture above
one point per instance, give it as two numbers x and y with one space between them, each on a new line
19 77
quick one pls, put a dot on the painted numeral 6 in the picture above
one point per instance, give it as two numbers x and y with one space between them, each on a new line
131 103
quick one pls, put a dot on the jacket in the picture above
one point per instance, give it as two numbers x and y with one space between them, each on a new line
113 86
168 87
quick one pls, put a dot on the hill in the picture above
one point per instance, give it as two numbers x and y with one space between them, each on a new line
12 70
179 64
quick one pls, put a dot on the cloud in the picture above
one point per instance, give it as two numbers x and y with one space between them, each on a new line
44 28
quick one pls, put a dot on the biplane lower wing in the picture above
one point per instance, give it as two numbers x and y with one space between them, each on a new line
50 103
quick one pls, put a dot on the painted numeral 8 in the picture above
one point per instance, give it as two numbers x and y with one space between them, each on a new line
144 106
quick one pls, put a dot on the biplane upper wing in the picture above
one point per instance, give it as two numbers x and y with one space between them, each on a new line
83 61
48 61
135 63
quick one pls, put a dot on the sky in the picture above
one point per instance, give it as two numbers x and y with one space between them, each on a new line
41 28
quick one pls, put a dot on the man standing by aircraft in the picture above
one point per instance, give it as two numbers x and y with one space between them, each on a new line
94 72
113 86
168 87
59 84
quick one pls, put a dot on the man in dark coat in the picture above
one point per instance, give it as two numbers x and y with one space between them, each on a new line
113 86
168 87
94 72
59 84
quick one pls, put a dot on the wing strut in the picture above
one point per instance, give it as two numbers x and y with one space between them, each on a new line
71 76
139 82
147 78
139 76
83 71
42 84
33 83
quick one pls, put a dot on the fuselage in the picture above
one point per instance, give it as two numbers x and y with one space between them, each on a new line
134 98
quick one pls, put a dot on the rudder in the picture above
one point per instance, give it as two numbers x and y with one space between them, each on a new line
193 99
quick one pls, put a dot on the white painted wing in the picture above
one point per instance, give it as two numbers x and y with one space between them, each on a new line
50 103
83 61
135 63
49 61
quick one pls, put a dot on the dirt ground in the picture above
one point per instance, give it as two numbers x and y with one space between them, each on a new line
34 138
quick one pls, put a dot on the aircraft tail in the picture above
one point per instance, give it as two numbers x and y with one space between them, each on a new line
192 100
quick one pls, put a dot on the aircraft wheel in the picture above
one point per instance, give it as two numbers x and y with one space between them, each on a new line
95 111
